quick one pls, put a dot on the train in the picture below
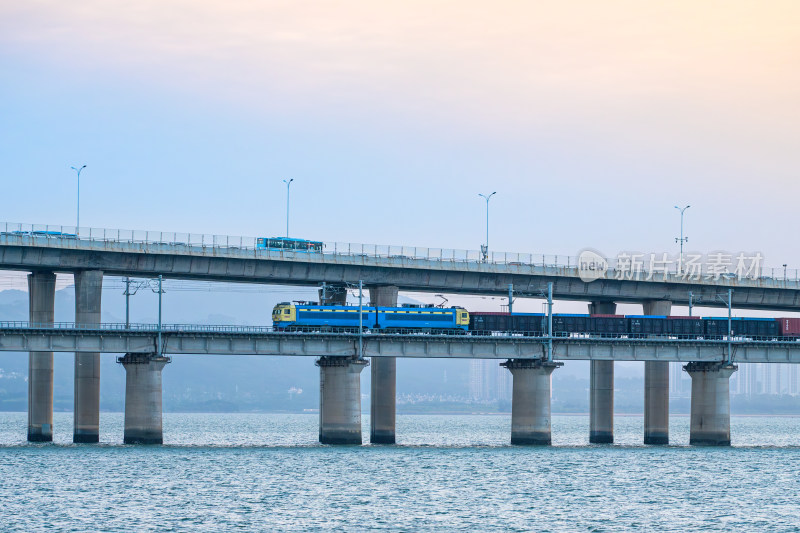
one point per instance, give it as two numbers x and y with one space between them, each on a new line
288 316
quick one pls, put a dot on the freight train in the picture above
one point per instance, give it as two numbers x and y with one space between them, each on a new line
305 316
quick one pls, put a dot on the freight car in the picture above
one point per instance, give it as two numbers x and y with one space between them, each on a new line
534 324
717 327
789 327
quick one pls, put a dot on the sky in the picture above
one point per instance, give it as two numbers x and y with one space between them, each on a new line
591 121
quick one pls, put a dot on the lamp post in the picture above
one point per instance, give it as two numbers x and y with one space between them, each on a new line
485 247
78 224
288 186
682 239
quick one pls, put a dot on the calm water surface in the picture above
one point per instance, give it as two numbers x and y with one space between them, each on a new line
222 472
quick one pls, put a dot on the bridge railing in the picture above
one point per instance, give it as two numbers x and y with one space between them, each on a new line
455 335
149 328
399 254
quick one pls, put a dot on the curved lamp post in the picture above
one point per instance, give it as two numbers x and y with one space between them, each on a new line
78 224
288 186
485 247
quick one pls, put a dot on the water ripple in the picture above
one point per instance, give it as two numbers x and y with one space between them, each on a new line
448 473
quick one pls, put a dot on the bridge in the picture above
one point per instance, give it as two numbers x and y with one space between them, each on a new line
341 359
28 247
191 339
90 254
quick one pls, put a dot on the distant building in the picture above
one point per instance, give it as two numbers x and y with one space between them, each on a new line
680 384
488 381
765 378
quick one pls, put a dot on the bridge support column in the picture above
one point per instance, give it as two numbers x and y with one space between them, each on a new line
656 387
88 291
601 390
41 300
333 294
143 398
530 404
383 384
340 399
711 405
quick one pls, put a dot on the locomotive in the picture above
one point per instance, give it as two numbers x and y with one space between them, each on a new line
289 316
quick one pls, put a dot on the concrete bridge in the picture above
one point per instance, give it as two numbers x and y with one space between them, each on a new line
237 259
187 339
340 365
89 255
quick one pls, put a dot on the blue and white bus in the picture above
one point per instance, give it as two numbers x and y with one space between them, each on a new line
285 243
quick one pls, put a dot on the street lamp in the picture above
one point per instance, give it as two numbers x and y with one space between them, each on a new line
485 247
78 224
682 238
288 186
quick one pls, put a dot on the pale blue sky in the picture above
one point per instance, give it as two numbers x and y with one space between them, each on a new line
591 124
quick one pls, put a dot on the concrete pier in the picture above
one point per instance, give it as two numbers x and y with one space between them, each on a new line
340 399
143 398
383 384
656 386
711 405
41 311
88 291
601 389
530 404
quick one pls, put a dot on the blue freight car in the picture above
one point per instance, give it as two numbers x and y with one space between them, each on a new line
289 316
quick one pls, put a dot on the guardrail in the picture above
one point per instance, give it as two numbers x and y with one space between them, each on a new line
136 327
205 240
535 336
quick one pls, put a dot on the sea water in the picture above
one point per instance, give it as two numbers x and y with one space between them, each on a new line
266 472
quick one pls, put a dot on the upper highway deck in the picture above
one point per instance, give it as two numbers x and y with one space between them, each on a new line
237 259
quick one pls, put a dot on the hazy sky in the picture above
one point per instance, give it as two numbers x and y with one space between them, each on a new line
590 119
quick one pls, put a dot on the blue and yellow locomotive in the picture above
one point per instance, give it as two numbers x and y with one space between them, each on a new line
290 316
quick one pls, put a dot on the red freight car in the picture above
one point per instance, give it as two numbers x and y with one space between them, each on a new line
789 327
